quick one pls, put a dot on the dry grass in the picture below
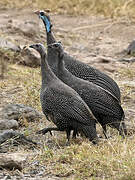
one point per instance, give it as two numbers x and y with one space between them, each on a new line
2 68
112 159
27 81
128 72
3 65
111 8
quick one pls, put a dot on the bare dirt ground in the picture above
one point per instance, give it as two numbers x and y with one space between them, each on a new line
97 41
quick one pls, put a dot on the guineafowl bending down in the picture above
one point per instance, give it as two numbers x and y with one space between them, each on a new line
102 103
76 67
62 104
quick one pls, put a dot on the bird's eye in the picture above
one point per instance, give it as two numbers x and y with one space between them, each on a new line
56 45
42 13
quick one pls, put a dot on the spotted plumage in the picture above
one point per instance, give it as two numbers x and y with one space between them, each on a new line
105 107
78 68
62 104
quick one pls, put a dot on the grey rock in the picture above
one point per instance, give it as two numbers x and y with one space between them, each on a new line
8 45
7 134
12 160
131 48
8 124
15 111
30 57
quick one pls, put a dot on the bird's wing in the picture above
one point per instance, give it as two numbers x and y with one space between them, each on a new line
69 104
78 110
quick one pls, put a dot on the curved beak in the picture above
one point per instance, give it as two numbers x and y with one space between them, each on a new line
32 46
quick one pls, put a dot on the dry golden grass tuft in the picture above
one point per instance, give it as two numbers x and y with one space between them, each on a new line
111 159
127 76
111 8
27 82
128 72
3 64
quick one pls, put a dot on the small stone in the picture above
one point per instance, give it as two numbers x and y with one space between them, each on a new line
17 111
8 124
7 134
8 45
131 48
10 21
30 57
12 160
103 59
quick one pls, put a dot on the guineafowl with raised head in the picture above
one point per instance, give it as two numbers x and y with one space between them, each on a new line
62 104
105 107
76 67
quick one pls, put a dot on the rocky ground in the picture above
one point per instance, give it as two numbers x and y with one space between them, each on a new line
97 41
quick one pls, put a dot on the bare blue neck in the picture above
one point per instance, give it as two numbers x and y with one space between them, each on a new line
47 24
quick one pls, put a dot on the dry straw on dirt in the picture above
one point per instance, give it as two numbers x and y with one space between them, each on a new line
3 65
111 8
111 159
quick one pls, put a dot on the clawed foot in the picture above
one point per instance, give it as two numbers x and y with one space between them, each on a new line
106 137
67 143
44 131
95 141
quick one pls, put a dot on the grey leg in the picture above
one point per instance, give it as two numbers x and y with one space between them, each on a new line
105 131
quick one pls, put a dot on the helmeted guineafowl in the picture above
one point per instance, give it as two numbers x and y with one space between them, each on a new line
76 67
62 104
103 104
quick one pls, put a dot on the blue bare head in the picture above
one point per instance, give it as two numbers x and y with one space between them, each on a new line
46 20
